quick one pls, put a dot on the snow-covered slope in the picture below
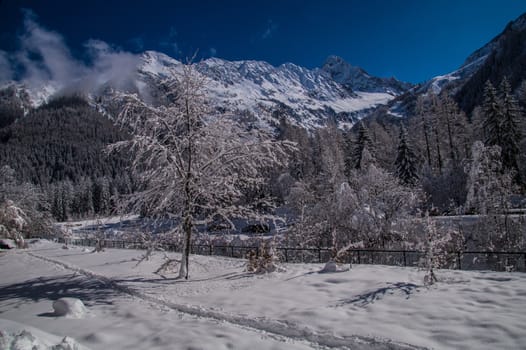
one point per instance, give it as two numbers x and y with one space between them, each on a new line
357 79
256 90
502 56
309 97
474 61
223 307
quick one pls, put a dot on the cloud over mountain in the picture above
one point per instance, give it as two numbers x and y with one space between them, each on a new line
43 57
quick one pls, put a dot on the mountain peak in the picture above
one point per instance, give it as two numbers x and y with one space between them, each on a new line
356 78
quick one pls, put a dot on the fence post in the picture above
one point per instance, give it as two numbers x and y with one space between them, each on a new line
286 255
232 251
359 258
319 255
210 249
459 261
405 260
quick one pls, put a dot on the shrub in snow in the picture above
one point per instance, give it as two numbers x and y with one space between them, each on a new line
438 246
69 307
65 233
264 262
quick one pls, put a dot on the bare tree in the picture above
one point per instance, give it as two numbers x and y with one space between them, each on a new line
195 167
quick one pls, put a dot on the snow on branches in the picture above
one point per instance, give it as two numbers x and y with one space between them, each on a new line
194 165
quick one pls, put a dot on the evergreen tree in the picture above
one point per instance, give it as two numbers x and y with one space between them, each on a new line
420 107
511 135
363 142
406 160
493 116
101 196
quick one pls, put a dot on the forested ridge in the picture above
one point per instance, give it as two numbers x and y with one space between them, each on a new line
60 147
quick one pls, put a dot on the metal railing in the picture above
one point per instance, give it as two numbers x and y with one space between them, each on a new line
462 260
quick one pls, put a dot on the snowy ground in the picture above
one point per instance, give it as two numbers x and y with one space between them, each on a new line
222 307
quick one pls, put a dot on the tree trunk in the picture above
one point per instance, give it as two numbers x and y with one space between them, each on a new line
426 137
187 225
183 270
450 137
439 155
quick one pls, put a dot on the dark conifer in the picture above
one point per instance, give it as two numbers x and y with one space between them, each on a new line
510 130
363 142
406 160
492 116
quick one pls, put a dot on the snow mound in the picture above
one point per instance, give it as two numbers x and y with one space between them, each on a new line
331 267
17 336
69 307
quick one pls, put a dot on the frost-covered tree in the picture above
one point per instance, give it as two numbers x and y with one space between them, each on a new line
23 209
439 246
13 223
332 159
195 166
383 202
361 212
488 188
406 160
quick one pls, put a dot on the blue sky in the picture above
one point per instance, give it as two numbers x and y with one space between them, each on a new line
409 39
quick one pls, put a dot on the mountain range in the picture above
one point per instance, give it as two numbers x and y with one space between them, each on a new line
308 97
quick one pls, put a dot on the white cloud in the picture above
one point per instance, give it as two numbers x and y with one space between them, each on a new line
6 72
43 57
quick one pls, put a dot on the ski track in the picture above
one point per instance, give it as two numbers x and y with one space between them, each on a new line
281 330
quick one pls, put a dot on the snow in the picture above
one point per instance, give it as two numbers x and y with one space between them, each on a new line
256 86
69 307
17 336
332 267
223 307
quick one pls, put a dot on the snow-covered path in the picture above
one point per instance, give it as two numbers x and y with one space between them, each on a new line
117 320
223 307
282 330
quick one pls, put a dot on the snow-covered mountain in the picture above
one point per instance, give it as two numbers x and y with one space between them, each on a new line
357 79
307 97
503 56
261 93
255 89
